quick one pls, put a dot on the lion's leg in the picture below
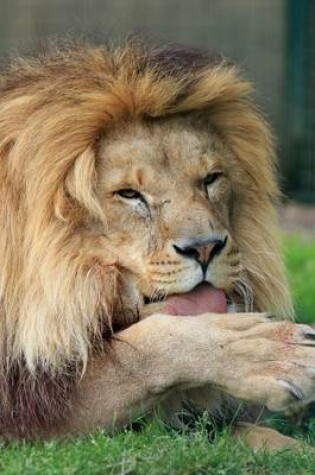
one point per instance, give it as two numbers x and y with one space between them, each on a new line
145 363
242 355
264 438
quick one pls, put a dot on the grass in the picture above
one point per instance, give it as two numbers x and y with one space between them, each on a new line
154 451
157 450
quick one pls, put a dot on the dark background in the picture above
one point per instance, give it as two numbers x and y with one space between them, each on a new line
273 41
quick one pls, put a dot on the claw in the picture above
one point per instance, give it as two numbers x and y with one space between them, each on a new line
294 390
268 315
309 334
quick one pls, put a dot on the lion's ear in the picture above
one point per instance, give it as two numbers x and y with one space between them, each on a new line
78 190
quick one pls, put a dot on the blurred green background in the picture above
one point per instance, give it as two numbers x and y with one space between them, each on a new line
300 260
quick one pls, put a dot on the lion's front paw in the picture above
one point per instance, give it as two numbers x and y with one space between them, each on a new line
274 363
293 380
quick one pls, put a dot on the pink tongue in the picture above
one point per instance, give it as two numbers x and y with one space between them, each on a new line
202 299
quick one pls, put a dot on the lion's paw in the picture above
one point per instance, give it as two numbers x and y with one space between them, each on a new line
273 363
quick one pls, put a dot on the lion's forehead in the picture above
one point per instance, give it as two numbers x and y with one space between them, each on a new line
149 153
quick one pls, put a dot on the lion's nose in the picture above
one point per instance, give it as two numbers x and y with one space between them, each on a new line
202 251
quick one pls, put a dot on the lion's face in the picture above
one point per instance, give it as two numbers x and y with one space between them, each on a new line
166 190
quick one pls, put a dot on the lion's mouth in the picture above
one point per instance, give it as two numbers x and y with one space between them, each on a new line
201 299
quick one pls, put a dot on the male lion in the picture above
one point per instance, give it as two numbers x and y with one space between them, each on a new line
137 184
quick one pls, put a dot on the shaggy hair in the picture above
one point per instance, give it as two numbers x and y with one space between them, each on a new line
58 301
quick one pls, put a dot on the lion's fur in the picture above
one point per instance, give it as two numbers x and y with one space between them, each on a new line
57 299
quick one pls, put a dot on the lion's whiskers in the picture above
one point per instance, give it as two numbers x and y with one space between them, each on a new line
246 291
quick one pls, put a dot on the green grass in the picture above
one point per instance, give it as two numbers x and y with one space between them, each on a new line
157 450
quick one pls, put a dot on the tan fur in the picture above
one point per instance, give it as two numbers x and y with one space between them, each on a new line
263 438
75 263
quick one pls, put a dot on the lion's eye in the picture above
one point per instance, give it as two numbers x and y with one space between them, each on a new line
136 200
211 178
129 194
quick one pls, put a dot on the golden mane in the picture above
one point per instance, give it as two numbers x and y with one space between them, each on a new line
53 109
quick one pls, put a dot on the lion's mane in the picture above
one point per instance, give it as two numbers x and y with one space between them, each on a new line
57 298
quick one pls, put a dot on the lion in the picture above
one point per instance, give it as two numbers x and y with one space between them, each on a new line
139 251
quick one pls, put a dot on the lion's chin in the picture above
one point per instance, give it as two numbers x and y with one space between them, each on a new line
204 298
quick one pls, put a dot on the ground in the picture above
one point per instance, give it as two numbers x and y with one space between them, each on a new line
298 218
156 450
